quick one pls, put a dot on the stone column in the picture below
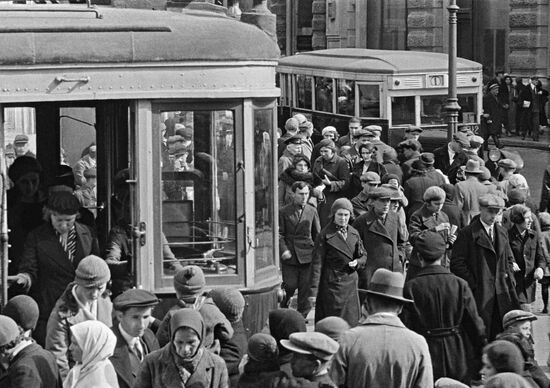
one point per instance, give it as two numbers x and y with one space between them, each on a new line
426 25
319 25
528 38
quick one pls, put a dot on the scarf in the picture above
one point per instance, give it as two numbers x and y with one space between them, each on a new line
186 366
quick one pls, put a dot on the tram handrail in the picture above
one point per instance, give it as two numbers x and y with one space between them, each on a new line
88 9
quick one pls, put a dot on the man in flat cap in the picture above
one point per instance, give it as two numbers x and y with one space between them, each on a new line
493 116
293 147
374 137
312 352
380 233
446 155
133 310
21 146
408 151
482 256
369 181
444 312
291 129
381 351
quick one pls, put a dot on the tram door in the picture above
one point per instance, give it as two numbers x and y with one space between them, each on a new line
79 146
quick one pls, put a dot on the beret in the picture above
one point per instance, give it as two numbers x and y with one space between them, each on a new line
21 139
317 344
430 245
515 316
507 163
491 201
134 298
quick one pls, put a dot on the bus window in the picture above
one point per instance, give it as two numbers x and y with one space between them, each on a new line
345 102
323 94
468 108
303 91
402 110
369 100
433 109
198 191
263 177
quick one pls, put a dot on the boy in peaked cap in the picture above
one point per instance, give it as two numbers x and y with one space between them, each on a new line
312 353
189 284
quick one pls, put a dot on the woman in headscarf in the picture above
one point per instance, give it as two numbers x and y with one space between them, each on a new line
92 343
282 323
184 361
338 254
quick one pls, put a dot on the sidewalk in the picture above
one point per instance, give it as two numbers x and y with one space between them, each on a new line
516 141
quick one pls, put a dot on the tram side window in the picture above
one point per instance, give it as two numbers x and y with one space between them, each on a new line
369 101
323 94
303 91
468 108
345 100
402 110
263 182
432 109
19 133
198 191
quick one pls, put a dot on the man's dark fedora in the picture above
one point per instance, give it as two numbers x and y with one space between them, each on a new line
388 284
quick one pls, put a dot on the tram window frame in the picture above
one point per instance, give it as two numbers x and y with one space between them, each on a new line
413 111
161 280
328 81
308 79
353 92
380 99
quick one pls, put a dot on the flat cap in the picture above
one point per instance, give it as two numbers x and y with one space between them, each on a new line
476 141
380 193
507 163
461 139
427 158
296 139
134 298
374 128
21 139
430 245
515 316
413 129
371 177
317 344
332 326
362 132
491 201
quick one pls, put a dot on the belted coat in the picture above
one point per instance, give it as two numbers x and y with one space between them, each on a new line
333 281
445 313
380 242
487 268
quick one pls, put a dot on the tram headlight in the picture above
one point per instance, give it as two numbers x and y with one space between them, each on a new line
495 155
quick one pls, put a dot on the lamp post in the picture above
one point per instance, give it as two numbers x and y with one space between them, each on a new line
452 106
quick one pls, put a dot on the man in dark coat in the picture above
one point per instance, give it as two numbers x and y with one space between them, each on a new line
135 340
379 231
444 312
482 256
298 229
354 125
29 364
52 253
530 107
493 116
416 185
445 155
545 194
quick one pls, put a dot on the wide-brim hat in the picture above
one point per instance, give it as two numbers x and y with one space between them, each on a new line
473 167
388 284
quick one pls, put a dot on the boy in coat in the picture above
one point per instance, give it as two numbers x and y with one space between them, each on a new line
298 228
135 340
444 312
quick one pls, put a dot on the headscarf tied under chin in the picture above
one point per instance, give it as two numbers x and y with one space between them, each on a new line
189 319
98 343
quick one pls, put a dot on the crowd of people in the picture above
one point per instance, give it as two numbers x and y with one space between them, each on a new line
421 267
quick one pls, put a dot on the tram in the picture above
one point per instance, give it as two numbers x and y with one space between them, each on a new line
129 82
389 87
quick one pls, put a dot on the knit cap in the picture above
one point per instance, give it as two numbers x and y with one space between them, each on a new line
230 301
23 310
92 271
189 280
262 348
8 330
327 143
341 203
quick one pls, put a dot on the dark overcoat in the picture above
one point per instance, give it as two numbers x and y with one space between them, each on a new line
355 186
528 255
380 242
297 232
337 171
33 367
493 107
332 280
488 270
120 359
414 189
445 313
45 260
159 370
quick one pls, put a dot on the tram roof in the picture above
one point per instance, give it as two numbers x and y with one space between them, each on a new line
59 36
375 61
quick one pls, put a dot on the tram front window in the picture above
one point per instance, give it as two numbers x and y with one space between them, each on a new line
198 190
433 109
